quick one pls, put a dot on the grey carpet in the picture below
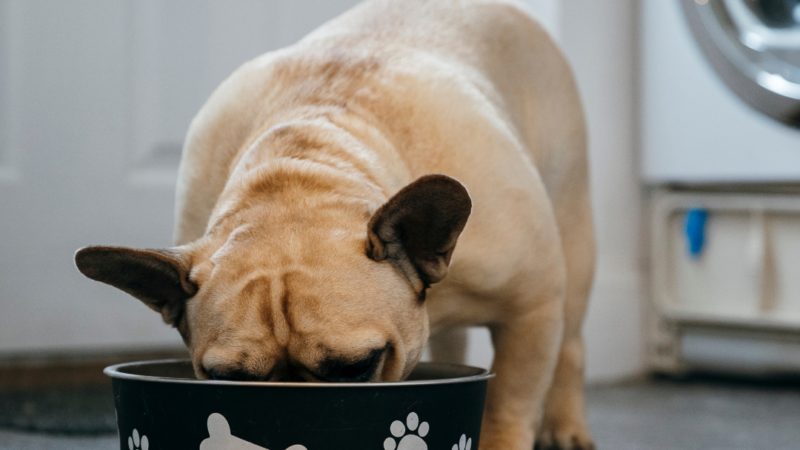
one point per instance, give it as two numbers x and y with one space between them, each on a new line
16 440
69 411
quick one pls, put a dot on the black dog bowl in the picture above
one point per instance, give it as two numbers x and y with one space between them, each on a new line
160 406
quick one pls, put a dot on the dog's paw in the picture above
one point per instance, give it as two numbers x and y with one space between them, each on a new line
135 443
566 436
408 441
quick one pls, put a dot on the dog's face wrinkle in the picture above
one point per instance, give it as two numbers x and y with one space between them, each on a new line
318 141
270 300
284 303
264 307
294 181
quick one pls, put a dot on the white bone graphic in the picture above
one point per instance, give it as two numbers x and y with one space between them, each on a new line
220 437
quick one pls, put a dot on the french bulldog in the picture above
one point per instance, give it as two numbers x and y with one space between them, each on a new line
323 188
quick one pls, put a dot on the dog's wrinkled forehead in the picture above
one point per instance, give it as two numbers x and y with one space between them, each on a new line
286 284
286 245
284 303
270 297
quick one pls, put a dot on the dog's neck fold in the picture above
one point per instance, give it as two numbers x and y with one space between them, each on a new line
312 163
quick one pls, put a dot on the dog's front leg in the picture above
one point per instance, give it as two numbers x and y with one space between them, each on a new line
526 350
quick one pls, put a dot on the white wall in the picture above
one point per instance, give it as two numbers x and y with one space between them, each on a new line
599 39
548 12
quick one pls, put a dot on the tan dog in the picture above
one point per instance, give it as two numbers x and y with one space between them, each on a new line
309 230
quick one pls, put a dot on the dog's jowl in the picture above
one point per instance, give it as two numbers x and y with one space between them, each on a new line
408 168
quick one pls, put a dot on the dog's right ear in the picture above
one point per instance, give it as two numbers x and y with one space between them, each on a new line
159 278
418 227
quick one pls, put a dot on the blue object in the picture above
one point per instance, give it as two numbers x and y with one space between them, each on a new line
696 231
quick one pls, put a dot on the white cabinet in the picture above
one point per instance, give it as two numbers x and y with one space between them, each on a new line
745 271
735 302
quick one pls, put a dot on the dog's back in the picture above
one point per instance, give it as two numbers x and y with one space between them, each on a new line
489 54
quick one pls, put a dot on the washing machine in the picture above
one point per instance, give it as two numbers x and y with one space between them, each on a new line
720 161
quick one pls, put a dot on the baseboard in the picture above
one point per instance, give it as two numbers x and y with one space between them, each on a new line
71 367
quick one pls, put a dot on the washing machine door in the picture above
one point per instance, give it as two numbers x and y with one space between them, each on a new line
754 46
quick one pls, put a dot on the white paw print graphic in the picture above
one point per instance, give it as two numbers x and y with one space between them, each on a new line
409 441
463 443
135 444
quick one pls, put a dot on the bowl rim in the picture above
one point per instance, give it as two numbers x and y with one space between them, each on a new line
115 373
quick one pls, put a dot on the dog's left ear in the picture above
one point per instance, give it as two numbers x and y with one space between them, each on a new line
159 278
418 227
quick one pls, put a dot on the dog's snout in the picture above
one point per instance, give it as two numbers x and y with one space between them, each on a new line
363 370
333 369
233 375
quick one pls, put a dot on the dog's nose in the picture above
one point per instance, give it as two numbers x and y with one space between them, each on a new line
335 370
233 375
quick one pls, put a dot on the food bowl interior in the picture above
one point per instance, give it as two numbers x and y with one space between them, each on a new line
182 370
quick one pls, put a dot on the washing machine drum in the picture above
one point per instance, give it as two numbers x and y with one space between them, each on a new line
754 46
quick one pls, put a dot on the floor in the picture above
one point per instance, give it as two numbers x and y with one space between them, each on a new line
695 415
656 414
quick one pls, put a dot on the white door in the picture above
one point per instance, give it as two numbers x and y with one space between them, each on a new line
95 98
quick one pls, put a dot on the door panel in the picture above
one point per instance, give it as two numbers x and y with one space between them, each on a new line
95 98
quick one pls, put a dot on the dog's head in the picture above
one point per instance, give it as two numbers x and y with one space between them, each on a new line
316 295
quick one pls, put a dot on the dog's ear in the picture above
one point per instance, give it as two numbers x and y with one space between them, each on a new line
159 278
418 227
